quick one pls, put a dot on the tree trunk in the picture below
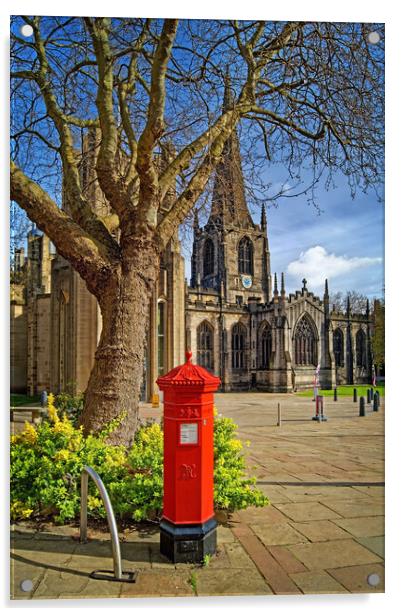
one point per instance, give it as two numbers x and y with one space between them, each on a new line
116 377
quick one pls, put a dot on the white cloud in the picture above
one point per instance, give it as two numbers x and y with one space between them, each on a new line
316 264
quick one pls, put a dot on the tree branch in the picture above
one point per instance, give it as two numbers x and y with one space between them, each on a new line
87 256
109 179
155 122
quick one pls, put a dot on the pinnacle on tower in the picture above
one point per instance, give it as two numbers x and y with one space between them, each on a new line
275 285
282 285
367 307
263 222
326 288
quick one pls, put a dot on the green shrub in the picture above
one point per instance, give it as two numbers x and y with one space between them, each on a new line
71 405
232 488
47 460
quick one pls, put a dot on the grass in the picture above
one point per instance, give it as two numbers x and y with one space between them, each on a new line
22 399
342 390
193 582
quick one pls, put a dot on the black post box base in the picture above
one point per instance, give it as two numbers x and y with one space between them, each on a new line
188 543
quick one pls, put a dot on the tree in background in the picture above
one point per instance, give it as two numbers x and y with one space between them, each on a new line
308 95
357 301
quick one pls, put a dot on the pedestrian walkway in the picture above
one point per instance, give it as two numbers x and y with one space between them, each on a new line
322 533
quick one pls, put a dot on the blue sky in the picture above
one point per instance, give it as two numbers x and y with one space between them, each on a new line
344 242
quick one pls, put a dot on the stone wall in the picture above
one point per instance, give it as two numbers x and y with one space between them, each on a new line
18 348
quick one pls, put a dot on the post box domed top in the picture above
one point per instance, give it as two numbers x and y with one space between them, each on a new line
188 374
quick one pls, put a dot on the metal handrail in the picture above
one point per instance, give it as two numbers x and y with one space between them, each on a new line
119 574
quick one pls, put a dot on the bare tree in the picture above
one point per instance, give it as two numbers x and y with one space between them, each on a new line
357 301
306 94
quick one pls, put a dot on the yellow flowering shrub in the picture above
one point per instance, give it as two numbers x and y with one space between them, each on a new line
47 462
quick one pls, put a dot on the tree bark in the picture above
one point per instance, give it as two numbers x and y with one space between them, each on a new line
116 377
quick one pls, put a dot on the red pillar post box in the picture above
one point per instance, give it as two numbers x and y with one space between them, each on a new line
188 527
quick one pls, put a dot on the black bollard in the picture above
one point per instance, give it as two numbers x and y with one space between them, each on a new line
43 399
355 395
368 395
335 394
375 401
378 399
361 406
371 394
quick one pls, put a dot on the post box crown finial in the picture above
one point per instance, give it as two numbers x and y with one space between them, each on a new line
188 374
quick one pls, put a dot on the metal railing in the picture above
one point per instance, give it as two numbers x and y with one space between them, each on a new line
101 574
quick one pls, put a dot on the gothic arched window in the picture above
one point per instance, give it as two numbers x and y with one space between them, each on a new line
208 257
238 338
161 337
245 256
204 343
265 345
305 343
338 346
361 349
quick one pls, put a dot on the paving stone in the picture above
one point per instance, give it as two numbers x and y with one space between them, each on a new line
35 544
354 509
270 569
224 535
220 559
286 560
158 583
55 582
372 491
363 527
317 582
262 515
238 558
93 548
320 530
21 570
300 512
274 494
374 544
331 554
18 529
157 560
231 582
355 578
137 555
277 534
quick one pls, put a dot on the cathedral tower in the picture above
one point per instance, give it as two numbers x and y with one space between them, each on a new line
231 252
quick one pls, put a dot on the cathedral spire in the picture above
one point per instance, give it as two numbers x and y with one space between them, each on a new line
229 206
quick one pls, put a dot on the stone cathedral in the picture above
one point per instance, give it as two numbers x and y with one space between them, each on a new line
235 316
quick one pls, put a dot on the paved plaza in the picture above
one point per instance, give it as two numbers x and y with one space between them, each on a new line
322 533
